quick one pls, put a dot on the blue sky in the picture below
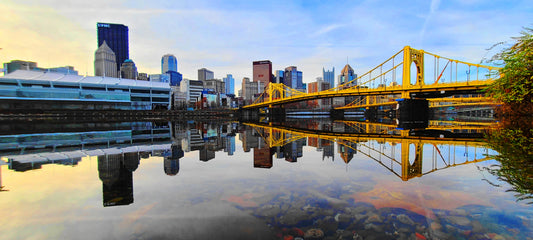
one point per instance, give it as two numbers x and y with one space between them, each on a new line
226 36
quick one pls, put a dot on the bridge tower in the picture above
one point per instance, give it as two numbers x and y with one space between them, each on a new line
412 110
411 56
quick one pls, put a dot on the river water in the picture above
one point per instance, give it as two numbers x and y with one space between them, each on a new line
299 179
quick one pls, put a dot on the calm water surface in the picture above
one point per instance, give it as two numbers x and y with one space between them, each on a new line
300 179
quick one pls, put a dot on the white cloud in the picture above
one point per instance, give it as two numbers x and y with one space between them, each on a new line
227 39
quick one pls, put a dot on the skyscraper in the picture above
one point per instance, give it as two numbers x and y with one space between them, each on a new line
169 63
116 37
205 74
293 78
128 70
262 71
105 61
230 84
279 76
329 76
347 75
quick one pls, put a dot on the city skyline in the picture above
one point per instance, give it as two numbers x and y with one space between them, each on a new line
201 36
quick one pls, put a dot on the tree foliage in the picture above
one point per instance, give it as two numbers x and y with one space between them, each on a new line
515 148
514 88
513 139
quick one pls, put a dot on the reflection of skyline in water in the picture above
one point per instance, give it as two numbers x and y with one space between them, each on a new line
399 151
288 155
120 151
377 141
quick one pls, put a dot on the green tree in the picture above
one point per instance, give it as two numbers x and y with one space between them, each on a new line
514 88
513 139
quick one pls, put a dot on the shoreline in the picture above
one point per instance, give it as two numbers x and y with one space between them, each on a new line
118 115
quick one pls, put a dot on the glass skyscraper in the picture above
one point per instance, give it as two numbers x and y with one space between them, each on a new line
329 76
116 37
230 84
293 78
169 63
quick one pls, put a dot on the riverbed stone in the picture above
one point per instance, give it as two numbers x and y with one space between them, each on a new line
405 219
435 226
314 233
374 218
268 211
293 217
458 220
328 225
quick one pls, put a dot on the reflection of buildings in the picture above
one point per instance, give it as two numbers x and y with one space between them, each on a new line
249 140
171 163
230 145
262 155
116 173
347 150
329 151
322 145
294 150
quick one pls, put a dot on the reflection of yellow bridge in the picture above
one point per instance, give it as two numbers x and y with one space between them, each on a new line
397 77
443 151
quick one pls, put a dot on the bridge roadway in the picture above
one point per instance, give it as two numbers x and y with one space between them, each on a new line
435 90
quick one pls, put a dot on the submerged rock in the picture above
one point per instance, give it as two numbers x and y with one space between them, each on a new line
458 220
405 219
314 233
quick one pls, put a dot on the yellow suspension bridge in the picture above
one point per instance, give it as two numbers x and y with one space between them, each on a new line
408 74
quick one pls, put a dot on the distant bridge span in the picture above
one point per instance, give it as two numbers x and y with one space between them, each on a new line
404 75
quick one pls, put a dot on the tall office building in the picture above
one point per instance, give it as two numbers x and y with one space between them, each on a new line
319 85
205 74
169 63
262 71
279 76
230 84
128 70
329 76
116 37
293 78
250 90
347 75
105 61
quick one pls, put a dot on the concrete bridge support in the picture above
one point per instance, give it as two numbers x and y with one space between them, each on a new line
276 114
371 113
336 114
248 114
412 113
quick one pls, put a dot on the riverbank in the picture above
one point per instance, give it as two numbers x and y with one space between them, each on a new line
117 115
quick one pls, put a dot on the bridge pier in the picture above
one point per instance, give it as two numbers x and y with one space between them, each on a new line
371 113
248 114
336 114
412 113
276 114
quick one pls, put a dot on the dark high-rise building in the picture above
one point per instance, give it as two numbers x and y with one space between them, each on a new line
116 37
205 74
293 78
